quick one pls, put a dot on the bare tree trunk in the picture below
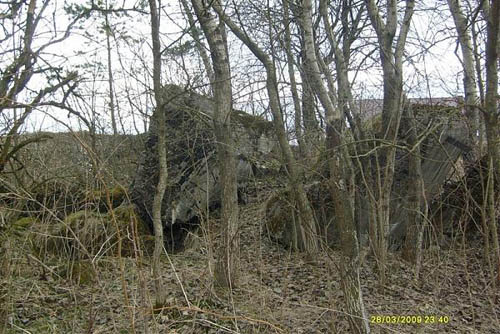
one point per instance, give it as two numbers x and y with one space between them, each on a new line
311 128
358 319
226 269
468 63
5 274
293 83
412 250
341 47
492 122
110 74
391 55
199 45
308 227
471 64
304 149
162 155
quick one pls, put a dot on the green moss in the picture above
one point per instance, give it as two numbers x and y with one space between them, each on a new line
23 223
148 244
435 109
88 232
78 217
126 216
81 272
421 111
59 237
280 219
173 92
253 122
99 197
128 222
274 216
373 124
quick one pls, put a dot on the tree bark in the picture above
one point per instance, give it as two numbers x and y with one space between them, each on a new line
491 116
226 269
358 319
468 63
293 82
412 250
161 147
308 227
311 128
110 74
199 45
391 56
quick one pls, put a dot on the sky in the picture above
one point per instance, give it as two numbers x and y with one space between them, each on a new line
434 73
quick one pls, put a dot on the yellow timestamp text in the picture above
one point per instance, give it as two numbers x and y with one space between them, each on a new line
409 319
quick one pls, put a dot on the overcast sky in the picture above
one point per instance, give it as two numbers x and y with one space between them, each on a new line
434 73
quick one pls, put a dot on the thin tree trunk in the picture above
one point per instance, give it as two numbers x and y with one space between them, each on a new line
293 83
304 149
311 127
110 74
199 45
309 120
351 285
413 248
492 123
308 227
161 145
226 269
391 56
468 64
5 273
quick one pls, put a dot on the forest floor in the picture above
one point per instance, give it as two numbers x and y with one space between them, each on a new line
279 292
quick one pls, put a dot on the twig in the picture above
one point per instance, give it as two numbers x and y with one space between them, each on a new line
220 316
